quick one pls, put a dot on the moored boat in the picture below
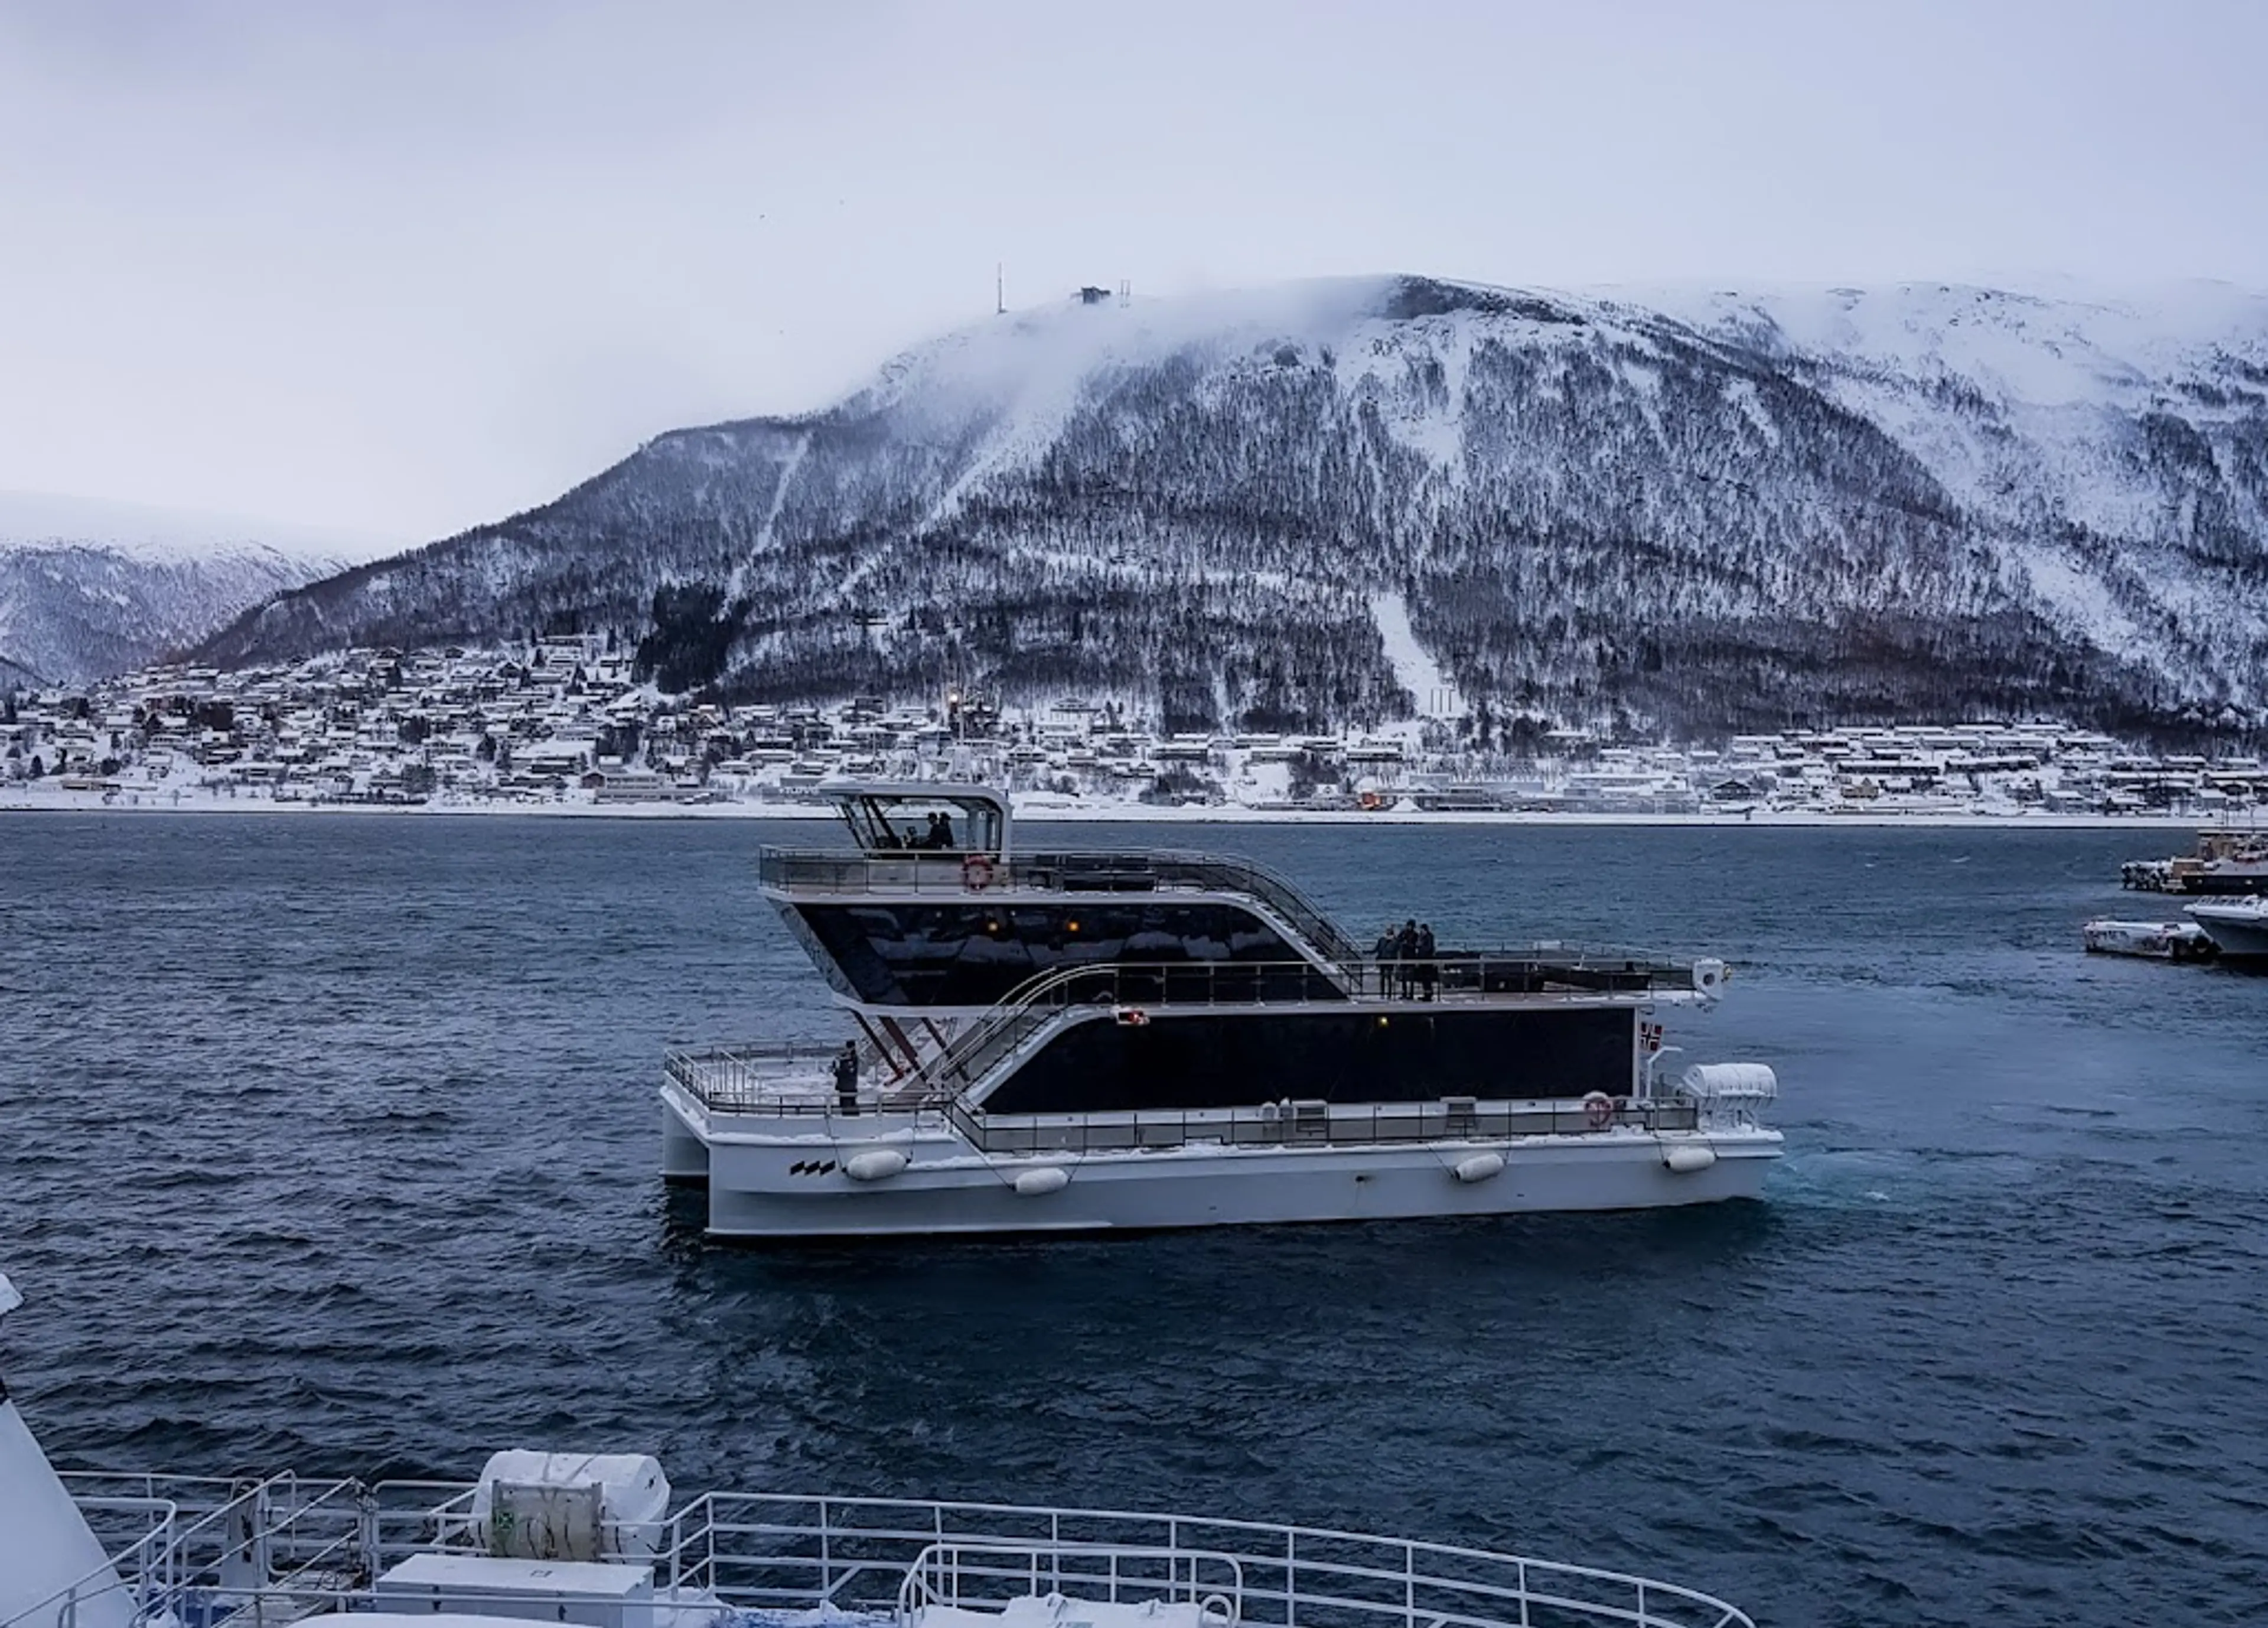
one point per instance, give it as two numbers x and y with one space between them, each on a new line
2152 940
2227 860
2238 926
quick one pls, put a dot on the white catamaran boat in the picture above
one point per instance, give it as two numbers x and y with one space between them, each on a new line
1092 1040
602 1541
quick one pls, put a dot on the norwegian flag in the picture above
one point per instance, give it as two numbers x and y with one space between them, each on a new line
1651 1034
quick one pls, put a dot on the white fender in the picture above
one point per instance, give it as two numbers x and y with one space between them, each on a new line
1688 1159
876 1164
1039 1183
1479 1167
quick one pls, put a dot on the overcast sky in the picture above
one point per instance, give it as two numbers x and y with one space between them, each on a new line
402 268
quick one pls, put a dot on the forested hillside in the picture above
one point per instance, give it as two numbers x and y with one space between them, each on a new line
1689 513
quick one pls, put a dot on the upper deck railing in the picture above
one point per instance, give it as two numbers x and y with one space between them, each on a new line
1040 1002
755 1078
1130 871
283 1551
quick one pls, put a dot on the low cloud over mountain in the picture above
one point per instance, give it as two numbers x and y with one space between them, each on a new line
1694 511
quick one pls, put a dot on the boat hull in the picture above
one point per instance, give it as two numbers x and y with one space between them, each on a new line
2150 940
2242 933
761 1187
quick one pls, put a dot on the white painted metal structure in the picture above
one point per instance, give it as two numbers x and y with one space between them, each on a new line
50 1559
777 1164
2238 926
266 1551
931 1140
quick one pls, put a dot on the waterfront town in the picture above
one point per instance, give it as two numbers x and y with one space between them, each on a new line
563 724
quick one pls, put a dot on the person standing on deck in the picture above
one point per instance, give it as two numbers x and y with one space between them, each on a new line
846 1076
1429 970
1383 952
1405 956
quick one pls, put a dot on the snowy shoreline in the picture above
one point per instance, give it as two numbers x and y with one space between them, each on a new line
1130 813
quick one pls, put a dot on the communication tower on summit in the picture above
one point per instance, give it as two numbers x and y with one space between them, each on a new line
1125 293
999 290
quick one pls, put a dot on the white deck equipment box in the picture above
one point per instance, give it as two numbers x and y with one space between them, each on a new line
582 1592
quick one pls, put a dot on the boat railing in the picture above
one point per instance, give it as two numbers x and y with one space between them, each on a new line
1539 974
768 1552
971 874
1515 968
1314 1124
751 1076
791 1078
267 1559
961 1573
200 1548
139 1564
1214 873
1039 1001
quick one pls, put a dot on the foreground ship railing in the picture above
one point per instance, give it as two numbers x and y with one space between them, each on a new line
268 1552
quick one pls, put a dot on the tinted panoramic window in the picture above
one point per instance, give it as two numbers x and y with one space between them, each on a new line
1236 1062
970 955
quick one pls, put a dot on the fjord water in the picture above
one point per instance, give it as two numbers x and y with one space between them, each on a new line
330 1142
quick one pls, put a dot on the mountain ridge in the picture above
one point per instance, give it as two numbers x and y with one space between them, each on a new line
91 587
1716 512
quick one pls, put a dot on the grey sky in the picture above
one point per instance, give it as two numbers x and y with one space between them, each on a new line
404 268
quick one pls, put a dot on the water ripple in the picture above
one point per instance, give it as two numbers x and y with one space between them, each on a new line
330 1143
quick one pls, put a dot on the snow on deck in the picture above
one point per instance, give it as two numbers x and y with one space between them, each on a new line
1053 1610
813 1616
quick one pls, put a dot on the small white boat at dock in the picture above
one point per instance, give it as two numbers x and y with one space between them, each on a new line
2152 940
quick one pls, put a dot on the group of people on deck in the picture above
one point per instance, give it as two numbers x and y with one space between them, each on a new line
937 839
1405 960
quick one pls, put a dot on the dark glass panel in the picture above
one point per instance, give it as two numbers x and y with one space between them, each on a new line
1224 1061
969 955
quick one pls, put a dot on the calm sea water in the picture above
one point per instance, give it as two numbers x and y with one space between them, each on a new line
330 1142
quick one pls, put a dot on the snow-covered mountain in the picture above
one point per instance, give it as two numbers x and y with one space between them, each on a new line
90 588
1292 507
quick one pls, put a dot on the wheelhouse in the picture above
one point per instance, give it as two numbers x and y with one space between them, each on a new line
894 817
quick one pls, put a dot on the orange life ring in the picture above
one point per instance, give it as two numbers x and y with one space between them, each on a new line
1598 1110
976 872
